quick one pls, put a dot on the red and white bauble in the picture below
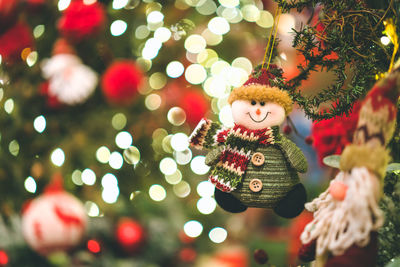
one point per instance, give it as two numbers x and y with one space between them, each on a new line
55 221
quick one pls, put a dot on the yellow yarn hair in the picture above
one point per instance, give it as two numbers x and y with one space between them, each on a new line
263 93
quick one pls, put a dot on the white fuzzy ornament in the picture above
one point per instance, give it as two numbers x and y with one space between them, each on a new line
55 221
69 80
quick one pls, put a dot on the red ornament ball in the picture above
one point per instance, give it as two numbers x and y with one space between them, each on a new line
3 258
121 81
130 235
260 256
195 105
14 41
187 255
52 101
81 21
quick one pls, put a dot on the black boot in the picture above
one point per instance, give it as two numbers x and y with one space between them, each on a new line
228 202
293 203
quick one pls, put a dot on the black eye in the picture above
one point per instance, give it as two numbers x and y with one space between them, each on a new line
253 102
262 103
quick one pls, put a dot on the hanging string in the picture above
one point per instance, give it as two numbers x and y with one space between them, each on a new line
270 48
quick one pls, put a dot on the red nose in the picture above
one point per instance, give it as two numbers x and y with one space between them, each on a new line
258 111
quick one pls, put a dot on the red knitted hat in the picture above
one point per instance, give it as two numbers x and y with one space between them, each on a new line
258 87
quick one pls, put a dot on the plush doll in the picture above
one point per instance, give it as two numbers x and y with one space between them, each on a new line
347 215
253 165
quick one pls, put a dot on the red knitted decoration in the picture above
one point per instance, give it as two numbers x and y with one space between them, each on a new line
120 82
332 135
262 77
13 41
81 21
307 251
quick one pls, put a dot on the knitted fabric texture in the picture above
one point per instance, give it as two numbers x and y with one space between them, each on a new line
239 143
277 174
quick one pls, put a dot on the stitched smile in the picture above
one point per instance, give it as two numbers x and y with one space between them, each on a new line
266 115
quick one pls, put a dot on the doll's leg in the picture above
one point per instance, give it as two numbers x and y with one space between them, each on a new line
228 202
293 203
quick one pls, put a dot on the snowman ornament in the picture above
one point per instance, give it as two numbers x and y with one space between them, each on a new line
252 164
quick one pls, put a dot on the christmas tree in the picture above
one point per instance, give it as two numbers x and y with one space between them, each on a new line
98 99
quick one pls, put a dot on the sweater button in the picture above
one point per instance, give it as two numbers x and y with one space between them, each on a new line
258 159
255 185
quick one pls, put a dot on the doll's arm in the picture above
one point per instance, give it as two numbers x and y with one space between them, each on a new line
294 155
208 135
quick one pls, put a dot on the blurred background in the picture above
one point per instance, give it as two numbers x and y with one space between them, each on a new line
101 96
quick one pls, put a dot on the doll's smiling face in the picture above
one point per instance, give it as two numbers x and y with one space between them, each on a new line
254 114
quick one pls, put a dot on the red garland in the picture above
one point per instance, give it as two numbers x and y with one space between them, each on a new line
120 82
81 21
14 40
332 135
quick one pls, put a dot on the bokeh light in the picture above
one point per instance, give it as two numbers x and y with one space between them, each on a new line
123 139
119 121
195 74
157 192
118 27
57 157
116 161
175 69
193 228
30 185
88 177
219 26
182 189
180 142
205 189
195 43
198 165
206 205
183 157
92 209
103 154
174 178
176 116
168 166
132 155
218 235
39 124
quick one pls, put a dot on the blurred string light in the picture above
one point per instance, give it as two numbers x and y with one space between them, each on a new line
13 147
38 31
110 191
30 185
205 189
207 57
166 144
250 13
195 3
195 43
225 116
175 69
193 228
206 205
195 74
118 27
180 142
182 189
77 177
57 157
218 235
119 121
92 209
176 116
211 38
168 166
152 102
118 4
142 32
1 91
155 17
132 155
32 58
198 165
162 34
157 192
151 48
265 20
157 80
174 178
103 154
116 161
9 105
123 139
229 3
39 124
63 4
207 8
183 157
88 177
219 26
